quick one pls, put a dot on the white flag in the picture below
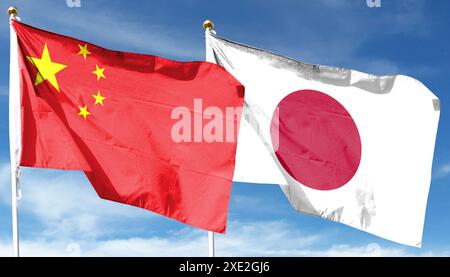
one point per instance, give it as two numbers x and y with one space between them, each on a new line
344 145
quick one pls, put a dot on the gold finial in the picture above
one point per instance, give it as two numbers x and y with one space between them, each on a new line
208 25
12 12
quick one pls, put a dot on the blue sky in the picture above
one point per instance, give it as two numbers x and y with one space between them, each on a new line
60 214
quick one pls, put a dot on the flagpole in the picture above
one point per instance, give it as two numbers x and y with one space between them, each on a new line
208 25
211 250
14 132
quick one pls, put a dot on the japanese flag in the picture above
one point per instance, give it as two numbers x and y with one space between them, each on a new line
344 145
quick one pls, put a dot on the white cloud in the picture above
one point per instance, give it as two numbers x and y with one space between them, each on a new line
443 171
370 250
265 238
151 39
381 67
76 222
339 40
65 203
273 238
53 195
109 28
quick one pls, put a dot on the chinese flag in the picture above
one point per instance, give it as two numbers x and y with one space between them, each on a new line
108 113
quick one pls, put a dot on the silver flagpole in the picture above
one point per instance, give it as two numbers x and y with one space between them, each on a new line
15 212
208 25
15 130
211 250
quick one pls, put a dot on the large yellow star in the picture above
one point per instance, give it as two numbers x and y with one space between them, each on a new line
84 112
47 69
99 72
84 51
99 98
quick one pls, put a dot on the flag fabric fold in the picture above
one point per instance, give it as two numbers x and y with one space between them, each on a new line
344 145
109 114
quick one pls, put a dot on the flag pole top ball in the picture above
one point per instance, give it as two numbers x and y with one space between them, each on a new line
12 12
208 25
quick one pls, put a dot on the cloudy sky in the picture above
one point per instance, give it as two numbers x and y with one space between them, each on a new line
60 213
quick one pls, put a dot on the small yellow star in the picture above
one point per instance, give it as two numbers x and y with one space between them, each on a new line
99 72
99 98
47 69
84 51
84 112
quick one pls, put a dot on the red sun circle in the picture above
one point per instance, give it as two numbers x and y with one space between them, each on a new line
316 140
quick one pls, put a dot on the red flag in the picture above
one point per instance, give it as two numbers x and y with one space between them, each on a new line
108 113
